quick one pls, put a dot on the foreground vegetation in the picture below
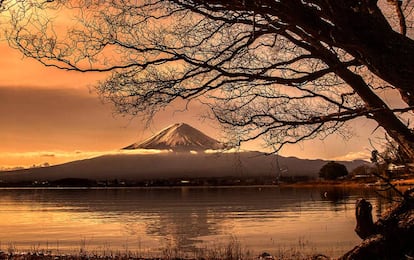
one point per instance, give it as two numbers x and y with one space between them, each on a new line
232 250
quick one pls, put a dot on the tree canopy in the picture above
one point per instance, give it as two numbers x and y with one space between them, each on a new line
285 70
333 171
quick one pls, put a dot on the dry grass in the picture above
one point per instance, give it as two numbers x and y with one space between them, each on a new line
232 250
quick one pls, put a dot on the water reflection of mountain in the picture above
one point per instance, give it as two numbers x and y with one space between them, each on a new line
183 214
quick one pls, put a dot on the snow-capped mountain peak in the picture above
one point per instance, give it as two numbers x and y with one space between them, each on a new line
178 137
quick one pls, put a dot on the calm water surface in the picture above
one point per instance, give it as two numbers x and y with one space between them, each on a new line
147 220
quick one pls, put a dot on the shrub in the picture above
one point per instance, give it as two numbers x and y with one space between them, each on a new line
333 171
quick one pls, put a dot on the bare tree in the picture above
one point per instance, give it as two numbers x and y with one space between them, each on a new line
285 70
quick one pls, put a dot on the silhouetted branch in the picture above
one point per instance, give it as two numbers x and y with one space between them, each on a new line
283 70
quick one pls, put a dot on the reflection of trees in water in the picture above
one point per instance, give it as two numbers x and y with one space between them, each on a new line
339 196
383 201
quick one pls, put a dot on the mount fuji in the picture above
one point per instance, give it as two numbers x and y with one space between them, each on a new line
184 155
179 137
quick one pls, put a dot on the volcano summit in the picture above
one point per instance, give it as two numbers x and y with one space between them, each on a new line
173 164
178 137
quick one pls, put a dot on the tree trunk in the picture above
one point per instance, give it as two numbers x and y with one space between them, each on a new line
357 26
392 237
377 108
366 34
381 113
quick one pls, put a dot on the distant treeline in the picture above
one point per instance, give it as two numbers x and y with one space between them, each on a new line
222 181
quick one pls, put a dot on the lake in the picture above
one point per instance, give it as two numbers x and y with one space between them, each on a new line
150 221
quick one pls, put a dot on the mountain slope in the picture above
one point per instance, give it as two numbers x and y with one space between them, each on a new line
178 137
173 165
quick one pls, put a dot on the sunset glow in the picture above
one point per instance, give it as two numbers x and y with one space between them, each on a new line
54 116
49 111
205 129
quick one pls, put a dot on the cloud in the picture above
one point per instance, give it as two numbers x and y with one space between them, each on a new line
47 155
11 160
39 119
351 156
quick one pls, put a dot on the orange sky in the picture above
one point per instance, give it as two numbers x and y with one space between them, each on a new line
50 115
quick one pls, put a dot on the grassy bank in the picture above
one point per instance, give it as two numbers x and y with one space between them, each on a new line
233 250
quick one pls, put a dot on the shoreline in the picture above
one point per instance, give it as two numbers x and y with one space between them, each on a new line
405 184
